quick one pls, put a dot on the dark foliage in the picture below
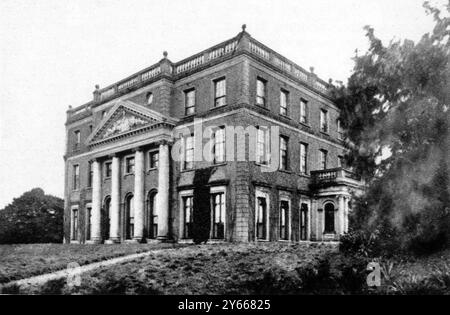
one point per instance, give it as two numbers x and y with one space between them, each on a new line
201 216
32 218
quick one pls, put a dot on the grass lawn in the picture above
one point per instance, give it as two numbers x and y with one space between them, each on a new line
22 261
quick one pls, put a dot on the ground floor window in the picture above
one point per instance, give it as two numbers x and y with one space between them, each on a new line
129 217
284 220
303 221
261 218
106 218
218 215
88 223
74 231
187 216
329 218
152 217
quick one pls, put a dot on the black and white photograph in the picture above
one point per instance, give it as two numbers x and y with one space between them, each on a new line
224 153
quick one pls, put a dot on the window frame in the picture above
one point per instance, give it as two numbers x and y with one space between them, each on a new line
222 146
284 94
88 225
150 164
263 98
77 137
263 159
260 193
149 99
74 223
108 169
188 106
304 158
287 218
76 177
218 98
214 191
183 196
284 166
304 102
127 165
324 122
323 155
185 162
90 176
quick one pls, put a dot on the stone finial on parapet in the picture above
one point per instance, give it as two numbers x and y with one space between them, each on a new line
96 93
165 64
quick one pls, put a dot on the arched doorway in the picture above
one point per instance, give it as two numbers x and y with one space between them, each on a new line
129 217
106 218
151 216
329 218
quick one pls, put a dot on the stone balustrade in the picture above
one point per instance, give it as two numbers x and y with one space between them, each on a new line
331 175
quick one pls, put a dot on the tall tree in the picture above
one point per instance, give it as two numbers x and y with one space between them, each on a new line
34 217
396 110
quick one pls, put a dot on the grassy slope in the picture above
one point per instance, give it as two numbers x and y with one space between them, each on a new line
209 269
22 261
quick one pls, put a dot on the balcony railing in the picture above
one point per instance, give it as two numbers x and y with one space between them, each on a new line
333 175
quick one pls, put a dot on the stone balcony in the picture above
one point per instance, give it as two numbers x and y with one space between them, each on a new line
335 177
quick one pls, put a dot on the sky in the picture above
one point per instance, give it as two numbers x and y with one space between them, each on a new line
53 52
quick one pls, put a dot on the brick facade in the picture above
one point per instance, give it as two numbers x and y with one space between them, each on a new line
241 61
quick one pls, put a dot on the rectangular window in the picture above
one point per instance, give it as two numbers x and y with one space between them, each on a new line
187 216
88 223
129 165
153 159
260 92
284 99
284 154
76 177
261 218
323 159
323 120
304 221
284 220
75 224
303 158
90 174
262 146
339 129
340 161
219 145
108 169
303 111
77 139
220 93
189 102
218 215
188 152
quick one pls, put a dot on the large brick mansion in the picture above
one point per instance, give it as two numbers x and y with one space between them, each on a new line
122 182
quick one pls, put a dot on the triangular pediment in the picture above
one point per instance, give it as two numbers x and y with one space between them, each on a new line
126 118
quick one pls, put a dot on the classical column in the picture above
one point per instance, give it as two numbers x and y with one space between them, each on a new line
340 227
139 195
96 203
114 236
162 200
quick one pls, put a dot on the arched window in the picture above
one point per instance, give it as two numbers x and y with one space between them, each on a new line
106 218
129 216
152 217
329 218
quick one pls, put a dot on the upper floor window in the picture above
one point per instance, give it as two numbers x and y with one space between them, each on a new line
153 159
108 169
90 173
129 165
262 146
220 93
284 99
189 102
339 128
188 152
340 161
323 120
303 157
77 141
76 177
284 153
323 159
219 145
303 111
149 98
260 92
